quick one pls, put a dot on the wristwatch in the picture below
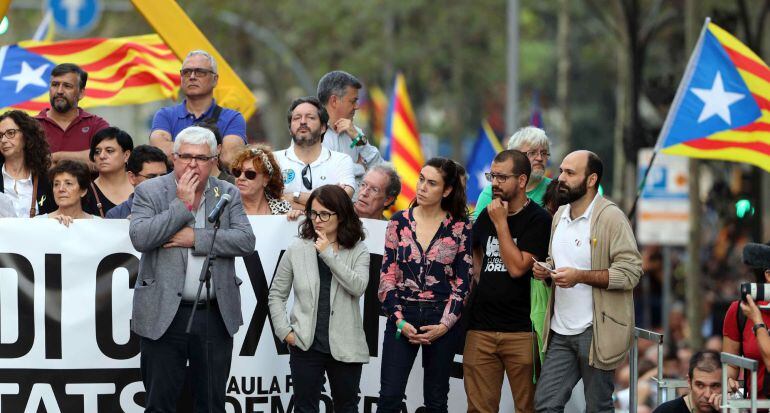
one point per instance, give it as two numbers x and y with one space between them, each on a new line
295 196
757 327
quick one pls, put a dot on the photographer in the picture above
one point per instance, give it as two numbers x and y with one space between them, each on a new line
745 332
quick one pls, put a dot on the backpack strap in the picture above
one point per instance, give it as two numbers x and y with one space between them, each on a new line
741 318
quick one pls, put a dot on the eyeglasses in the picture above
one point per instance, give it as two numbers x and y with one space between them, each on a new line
499 177
9 133
533 153
371 188
149 176
187 158
250 175
197 71
307 177
323 215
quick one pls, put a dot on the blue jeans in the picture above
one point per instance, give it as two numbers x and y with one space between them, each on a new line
566 362
398 357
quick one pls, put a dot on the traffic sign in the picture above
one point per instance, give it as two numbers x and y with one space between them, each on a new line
75 17
664 207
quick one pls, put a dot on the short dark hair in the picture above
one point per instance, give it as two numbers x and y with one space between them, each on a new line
521 164
705 360
594 166
64 68
452 172
322 115
121 136
335 83
143 154
77 169
350 230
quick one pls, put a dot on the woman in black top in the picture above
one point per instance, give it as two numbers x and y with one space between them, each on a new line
24 162
110 149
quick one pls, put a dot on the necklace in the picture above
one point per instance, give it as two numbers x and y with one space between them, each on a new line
520 209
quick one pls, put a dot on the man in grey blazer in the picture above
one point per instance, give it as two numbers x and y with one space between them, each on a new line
170 229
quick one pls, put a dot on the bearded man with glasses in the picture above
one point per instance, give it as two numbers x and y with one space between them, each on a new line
307 164
536 145
199 78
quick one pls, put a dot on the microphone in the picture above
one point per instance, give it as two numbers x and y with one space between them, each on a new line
217 211
756 255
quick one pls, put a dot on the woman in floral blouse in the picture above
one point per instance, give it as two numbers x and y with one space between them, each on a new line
424 280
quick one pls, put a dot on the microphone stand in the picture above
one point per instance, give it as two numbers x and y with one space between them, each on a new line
205 278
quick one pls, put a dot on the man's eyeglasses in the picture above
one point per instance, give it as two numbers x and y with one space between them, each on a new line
187 158
250 175
499 177
371 188
533 153
9 133
307 178
198 72
323 215
149 176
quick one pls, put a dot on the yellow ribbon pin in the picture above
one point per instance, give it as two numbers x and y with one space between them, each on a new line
40 202
216 192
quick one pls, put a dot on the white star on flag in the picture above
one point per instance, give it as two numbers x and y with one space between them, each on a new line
482 179
716 100
28 76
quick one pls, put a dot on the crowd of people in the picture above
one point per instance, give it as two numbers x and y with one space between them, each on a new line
536 284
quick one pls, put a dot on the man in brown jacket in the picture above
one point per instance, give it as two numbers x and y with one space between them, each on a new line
590 317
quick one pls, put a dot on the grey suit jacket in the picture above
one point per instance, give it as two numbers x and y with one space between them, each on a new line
156 215
298 270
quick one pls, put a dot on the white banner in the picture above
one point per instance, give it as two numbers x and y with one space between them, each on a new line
65 305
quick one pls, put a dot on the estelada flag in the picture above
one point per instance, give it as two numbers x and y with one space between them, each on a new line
722 107
121 71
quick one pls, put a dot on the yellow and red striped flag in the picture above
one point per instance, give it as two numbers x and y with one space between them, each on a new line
722 107
403 139
121 71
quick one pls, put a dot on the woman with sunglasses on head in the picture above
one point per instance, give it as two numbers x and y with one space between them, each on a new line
110 149
258 177
328 270
24 162
426 267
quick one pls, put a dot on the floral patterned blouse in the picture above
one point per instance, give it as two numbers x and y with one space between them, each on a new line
410 274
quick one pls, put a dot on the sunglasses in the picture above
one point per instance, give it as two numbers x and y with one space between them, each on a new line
250 175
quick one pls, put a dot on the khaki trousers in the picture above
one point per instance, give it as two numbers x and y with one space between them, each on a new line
487 356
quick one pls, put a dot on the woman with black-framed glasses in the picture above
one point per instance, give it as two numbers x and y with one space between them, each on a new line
328 271
258 177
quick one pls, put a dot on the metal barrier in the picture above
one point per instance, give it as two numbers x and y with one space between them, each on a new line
666 387
737 404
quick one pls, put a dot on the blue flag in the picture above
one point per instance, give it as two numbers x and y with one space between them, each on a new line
484 150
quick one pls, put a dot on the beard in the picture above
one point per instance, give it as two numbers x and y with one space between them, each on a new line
308 140
536 174
569 194
61 104
505 196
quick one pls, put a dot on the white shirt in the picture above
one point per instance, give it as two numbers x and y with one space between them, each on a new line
571 247
195 262
19 191
330 168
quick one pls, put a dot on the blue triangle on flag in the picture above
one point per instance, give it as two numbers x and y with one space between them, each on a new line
715 99
23 75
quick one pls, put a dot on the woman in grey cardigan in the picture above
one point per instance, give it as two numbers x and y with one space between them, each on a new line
327 269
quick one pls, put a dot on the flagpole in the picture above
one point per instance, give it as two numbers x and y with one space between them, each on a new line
664 131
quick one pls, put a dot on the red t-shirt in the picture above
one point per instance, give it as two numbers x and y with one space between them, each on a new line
750 345
78 135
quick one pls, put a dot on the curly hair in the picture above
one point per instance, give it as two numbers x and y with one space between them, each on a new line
37 154
350 229
258 154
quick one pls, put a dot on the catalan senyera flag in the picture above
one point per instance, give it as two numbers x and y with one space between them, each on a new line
121 71
722 107
403 140
379 104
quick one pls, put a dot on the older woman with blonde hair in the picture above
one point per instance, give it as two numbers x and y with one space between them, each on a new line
258 178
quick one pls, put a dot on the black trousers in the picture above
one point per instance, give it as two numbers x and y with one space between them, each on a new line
164 361
307 376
